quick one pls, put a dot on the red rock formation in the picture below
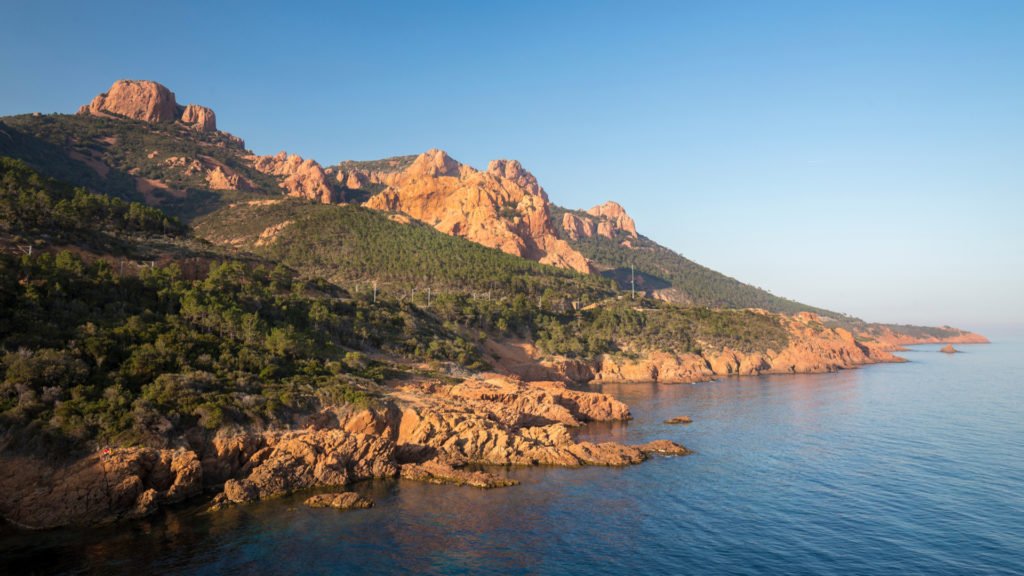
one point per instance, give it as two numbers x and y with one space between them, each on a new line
301 178
503 207
306 459
125 483
436 472
886 338
812 348
200 117
577 227
136 99
152 102
339 501
424 430
612 218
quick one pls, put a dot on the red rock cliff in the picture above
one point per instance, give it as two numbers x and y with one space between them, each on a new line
503 207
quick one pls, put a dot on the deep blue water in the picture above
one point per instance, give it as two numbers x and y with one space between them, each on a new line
894 469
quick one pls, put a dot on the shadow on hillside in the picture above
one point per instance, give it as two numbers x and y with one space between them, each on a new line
57 162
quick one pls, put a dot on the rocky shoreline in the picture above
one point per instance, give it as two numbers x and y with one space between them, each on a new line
812 349
423 430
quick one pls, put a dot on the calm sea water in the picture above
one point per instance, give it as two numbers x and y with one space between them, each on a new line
894 469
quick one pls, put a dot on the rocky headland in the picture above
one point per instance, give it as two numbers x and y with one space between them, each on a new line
426 431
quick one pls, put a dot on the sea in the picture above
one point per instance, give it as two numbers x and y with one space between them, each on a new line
914 468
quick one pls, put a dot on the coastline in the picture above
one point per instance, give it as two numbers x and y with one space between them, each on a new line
422 430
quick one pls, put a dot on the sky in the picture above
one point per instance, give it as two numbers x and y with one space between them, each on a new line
863 156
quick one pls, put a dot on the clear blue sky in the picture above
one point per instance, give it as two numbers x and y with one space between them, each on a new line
862 156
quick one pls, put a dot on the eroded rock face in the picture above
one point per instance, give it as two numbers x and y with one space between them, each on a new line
300 178
311 458
577 227
614 218
812 348
503 207
200 118
608 220
136 99
126 483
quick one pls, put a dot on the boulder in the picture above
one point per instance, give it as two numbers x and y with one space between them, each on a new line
339 501
136 99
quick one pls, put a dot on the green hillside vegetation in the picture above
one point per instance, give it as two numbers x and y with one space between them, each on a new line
61 147
33 204
662 268
355 247
91 354
869 331
386 165
632 327
479 290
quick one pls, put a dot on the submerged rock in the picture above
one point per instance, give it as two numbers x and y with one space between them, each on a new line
339 501
679 420
435 472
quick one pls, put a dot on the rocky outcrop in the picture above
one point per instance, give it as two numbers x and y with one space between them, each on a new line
200 118
679 420
884 336
577 227
218 179
339 501
136 99
502 207
612 218
812 348
103 487
298 177
152 102
435 472
306 459
425 431
949 349
608 220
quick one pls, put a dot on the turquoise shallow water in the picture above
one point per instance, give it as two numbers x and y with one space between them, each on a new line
894 469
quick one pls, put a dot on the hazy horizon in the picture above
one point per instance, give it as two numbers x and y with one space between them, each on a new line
860 157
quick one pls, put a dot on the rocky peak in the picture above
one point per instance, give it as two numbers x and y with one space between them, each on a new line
514 171
503 207
301 178
199 117
616 217
433 163
152 102
136 99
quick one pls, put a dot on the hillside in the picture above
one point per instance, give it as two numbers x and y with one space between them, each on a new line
357 247
257 325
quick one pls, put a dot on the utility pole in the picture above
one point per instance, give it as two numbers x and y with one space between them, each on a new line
428 297
632 282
